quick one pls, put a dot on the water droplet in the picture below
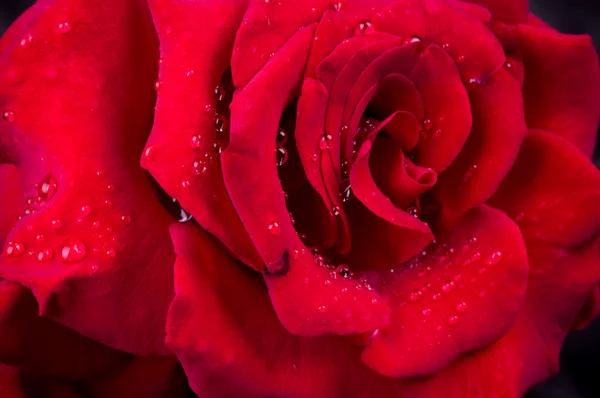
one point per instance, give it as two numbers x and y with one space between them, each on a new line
47 187
335 211
324 143
184 216
73 251
343 271
274 228
157 85
108 203
8 116
416 295
63 27
110 187
282 156
190 73
413 211
56 223
220 93
495 258
26 40
448 287
427 311
14 249
111 253
445 46
85 211
125 219
362 28
462 306
150 151
427 124
200 167
281 137
295 254
436 296
412 39
322 308
482 293
472 241
45 255
220 123
337 6
453 320
347 193
40 238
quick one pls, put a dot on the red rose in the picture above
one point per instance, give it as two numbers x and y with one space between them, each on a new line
393 197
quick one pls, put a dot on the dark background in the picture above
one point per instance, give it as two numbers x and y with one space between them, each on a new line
580 360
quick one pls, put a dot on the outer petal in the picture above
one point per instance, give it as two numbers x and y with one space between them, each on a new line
181 149
552 192
459 298
508 11
562 84
37 344
95 237
10 197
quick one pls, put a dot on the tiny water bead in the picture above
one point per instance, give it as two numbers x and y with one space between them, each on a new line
427 124
220 93
85 211
472 258
281 137
324 142
196 140
73 251
56 223
45 255
453 320
322 308
149 152
8 116
436 296
495 258
274 228
184 216
343 271
335 211
282 156
427 311
126 219
347 193
26 40
337 6
47 187
220 123
448 287
362 28
40 238
413 211
462 306
14 249
63 27
200 167
416 295
157 85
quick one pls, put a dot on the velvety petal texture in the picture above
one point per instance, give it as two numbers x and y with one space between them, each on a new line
277 198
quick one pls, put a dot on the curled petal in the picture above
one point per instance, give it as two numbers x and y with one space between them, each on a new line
508 11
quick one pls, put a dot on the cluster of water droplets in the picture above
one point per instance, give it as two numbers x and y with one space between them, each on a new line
458 267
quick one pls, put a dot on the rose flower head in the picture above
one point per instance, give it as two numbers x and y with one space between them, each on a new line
294 198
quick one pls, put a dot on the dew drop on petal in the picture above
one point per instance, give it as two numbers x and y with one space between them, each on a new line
362 28
45 255
436 296
472 258
56 223
199 166
427 311
448 287
73 251
85 211
149 152
281 137
282 156
47 187
416 295
335 211
40 238
343 271
220 93
413 211
157 85
453 320
322 308
324 143
14 249
8 116
126 219
462 306
495 258
63 27
274 228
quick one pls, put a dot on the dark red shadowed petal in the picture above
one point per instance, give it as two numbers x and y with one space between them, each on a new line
492 147
37 344
552 192
14 383
221 324
10 382
562 81
446 106
181 149
589 311
11 196
151 377
508 11
95 237
455 300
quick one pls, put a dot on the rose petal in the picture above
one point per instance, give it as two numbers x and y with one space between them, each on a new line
10 383
589 311
562 81
90 237
10 197
181 149
439 310
552 192
492 147
446 105
508 11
